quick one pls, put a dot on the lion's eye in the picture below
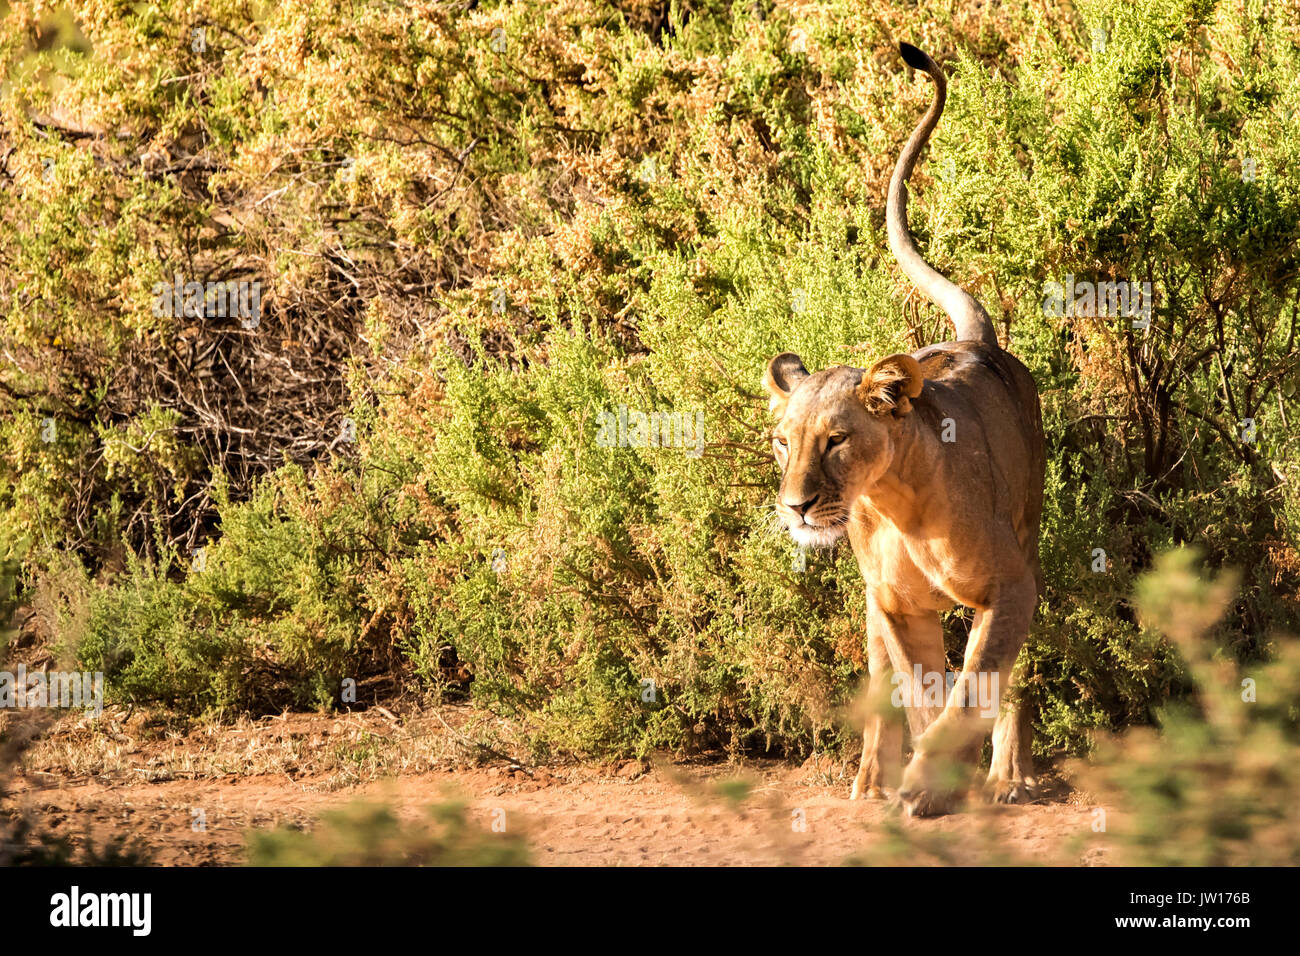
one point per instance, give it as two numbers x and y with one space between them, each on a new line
780 441
834 440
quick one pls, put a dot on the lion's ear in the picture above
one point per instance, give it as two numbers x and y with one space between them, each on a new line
890 384
784 373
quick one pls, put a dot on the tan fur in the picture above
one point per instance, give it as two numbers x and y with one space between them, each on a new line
933 523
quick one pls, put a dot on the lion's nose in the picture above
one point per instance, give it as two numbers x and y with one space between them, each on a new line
801 509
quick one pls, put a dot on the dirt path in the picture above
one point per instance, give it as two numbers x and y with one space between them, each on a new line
762 812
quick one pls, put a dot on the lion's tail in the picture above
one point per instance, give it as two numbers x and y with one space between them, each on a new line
968 316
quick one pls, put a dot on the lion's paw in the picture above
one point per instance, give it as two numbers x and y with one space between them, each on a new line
927 803
924 792
872 792
1013 790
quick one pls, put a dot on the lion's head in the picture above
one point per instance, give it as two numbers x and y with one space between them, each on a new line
836 435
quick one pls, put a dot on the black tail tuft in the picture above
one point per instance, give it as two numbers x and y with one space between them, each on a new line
914 57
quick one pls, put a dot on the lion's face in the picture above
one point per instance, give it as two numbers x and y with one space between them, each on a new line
834 439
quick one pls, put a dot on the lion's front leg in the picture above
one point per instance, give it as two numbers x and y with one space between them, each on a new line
946 753
913 643
882 739
882 759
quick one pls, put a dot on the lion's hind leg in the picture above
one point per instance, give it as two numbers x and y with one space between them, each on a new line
1011 773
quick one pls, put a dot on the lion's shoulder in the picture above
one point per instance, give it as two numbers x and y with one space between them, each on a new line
977 366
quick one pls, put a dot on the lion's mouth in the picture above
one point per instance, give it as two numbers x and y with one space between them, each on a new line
808 535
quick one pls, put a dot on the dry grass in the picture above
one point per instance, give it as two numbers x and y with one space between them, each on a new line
349 750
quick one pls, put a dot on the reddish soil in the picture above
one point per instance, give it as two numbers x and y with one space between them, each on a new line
670 814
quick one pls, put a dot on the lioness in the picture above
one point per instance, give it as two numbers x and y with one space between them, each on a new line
932 464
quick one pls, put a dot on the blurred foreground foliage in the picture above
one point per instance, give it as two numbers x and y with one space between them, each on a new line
1219 784
372 834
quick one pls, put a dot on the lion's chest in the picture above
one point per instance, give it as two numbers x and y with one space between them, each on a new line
906 573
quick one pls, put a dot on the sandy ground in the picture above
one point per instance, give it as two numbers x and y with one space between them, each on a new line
652 813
